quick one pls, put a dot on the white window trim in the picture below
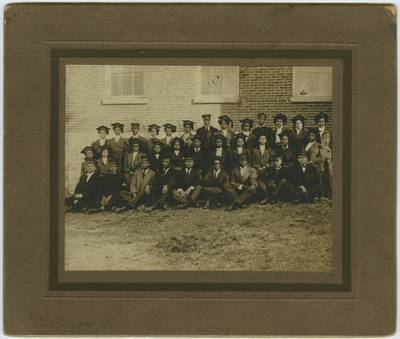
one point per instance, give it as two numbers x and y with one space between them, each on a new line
299 98
122 99
210 99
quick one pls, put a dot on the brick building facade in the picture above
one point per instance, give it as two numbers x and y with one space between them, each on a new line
169 93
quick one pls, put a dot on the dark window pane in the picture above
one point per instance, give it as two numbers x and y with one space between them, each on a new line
138 85
127 85
115 85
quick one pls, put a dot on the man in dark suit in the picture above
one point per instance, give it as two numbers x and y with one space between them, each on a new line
206 132
213 183
164 181
87 191
188 184
262 128
220 150
135 135
305 179
243 184
200 155
272 183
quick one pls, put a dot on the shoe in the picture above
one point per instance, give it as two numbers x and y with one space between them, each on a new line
166 207
113 208
151 208
141 208
206 206
264 201
184 206
233 206
68 209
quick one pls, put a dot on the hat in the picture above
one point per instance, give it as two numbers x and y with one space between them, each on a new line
320 115
217 157
157 142
196 137
280 116
188 122
248 121
153 126
298 117
135 124
189 156
219 136
303 153
275 156
117 124
285 134
102 128
144 157
241 156
167 156
313 130
258 132
240 135
86 149
176 139
94 162
105 148
113 161
261 114
135 141
206 116
168 125
225 118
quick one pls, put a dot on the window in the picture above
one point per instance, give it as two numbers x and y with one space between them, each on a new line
125 85
217 84
312 84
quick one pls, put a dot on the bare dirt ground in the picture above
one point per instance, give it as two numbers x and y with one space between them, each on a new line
280 237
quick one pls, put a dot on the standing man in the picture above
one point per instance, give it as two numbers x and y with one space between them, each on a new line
201 157
135 135
188 184
206 132
262 127
132 161
243 184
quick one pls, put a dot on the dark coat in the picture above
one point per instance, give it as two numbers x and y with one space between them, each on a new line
206 137
261 160
234 156
113 184
184 181
201 159
156 164
300 139
251 141
84 166
167 145
188 142
309 179
272 142
211 181
316 157
142 145
289 155
101 167
177 160
149 145
226 158
91 189
161 178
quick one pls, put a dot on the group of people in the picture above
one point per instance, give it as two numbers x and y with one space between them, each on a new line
260 163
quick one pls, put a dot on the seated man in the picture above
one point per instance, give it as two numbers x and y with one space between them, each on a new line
243 184
305 179
213 183
139 189
272 183
188 184
164 180
132 160
113 184
87 191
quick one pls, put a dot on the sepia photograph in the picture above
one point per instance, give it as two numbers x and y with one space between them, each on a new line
198 168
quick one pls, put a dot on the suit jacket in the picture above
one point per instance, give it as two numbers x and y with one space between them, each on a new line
167 145
326 143
267 131
260 160
309 179
149 145
97 148
315 156
229 136
139 182
249 177
156 164
211 181
184 181
201 159
273 174
129 166
84 166
234 157
113 184
177 160
188 142
289 155
206 137
251 141
226 158
272 142
101 167
161 178
142 145
118 150
90 189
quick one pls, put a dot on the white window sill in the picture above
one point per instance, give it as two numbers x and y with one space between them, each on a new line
215 100
310 98
124 100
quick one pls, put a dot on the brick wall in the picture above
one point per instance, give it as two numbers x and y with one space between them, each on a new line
169 91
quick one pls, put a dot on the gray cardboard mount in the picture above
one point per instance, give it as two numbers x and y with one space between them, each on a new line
40 300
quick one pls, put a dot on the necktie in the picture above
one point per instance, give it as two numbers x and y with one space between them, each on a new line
144 173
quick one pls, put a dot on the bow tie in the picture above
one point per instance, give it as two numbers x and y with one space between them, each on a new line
303 165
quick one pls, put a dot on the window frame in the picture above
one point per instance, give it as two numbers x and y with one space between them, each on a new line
214 99
298 98
123 99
